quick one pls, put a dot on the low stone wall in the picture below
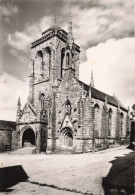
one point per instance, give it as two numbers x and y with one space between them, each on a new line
5 140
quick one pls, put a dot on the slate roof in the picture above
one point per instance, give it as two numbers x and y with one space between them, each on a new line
96 94
52 28
7 125
55 27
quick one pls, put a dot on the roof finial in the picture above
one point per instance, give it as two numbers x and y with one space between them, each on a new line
70 32
55 19
92 79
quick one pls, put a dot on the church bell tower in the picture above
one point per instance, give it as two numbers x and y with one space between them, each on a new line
52 54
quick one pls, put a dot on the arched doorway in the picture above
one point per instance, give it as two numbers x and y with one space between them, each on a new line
28 138
66 138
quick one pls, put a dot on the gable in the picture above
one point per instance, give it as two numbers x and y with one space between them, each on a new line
67 122
69 84
28 113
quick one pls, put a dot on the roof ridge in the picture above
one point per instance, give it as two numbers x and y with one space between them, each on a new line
121 104
8 121
96 93
95 88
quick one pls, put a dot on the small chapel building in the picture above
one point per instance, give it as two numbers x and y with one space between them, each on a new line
62 113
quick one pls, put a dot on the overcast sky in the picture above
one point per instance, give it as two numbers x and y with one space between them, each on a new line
104 29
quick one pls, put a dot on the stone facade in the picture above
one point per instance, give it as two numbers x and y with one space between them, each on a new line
63 113
7 129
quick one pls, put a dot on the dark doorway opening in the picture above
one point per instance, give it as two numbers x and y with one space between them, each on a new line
28 138
69 139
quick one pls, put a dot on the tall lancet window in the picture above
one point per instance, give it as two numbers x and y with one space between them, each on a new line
42 101
47 62
96 107
39 57
73 59
109 121
67 59
121 123
62 62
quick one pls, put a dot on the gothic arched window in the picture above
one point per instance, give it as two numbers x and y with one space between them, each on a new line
42 101
104 122
47 61
39 57
67 59
121 123
96 114
109 121
62 61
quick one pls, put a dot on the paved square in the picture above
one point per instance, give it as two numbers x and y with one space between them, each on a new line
63 174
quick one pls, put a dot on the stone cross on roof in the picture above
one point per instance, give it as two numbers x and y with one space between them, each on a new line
55 19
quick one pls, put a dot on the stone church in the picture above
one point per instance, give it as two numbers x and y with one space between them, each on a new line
62 113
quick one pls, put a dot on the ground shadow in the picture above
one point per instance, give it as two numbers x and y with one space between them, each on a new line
120 179
131 146
10 176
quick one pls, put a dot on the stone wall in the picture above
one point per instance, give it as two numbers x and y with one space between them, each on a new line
5 140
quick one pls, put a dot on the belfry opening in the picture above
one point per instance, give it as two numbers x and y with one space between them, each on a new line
28 138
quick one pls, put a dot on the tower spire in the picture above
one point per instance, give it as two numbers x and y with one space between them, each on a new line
70 31
19 102
18 105
92 78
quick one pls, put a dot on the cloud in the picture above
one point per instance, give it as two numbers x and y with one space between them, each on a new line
8 10
10 89
21 40
92 23
103 21
114 68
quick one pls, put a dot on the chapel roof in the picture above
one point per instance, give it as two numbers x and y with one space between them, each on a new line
96 94
55 27
7 125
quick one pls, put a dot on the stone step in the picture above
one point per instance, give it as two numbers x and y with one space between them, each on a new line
66 151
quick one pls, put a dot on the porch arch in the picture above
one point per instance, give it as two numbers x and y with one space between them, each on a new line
28 137
66 138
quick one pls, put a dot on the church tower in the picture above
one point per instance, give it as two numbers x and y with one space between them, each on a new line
52 55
